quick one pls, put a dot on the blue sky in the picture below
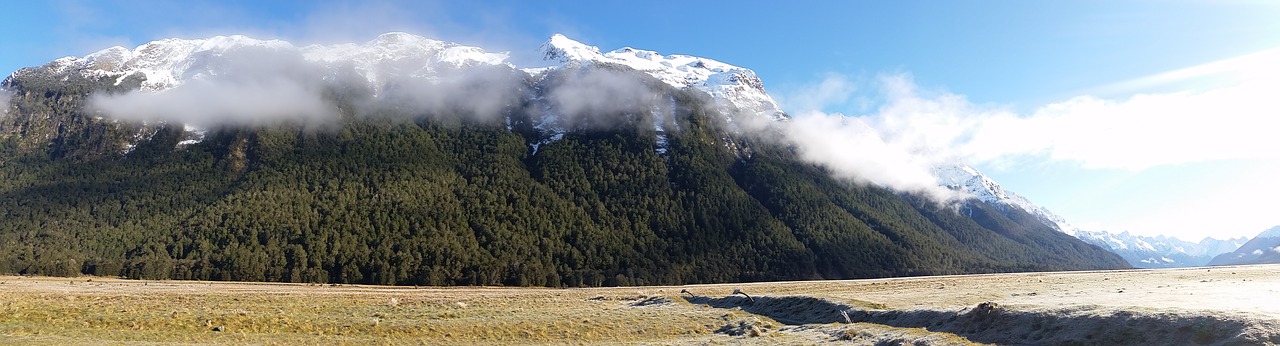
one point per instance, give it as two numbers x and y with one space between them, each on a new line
1119 115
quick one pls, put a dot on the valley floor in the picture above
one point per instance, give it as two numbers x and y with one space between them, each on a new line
1216 305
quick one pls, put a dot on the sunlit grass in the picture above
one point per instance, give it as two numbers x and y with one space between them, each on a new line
131 311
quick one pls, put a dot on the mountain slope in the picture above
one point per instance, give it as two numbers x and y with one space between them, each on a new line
587 172
1262 249
1139 251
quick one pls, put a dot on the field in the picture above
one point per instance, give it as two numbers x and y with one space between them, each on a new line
1218 305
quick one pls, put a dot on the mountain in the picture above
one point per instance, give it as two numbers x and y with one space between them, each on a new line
1262 249
1160 251
1139 251
962 177
406 160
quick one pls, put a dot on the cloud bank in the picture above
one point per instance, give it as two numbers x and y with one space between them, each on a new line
898 143
596 97
236 87
1134 133
480 92
216 103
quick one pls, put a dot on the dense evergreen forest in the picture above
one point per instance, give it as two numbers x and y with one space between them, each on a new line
452 199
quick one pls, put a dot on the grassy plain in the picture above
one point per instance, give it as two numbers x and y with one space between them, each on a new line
1222 305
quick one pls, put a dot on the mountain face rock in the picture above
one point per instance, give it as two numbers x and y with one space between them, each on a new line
961 177
1262 249
1139 251
443 164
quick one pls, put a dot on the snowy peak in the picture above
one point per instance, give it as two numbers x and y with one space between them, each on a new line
737 89
1274 232
398 54
168 63
165 63
109 59
172 62
401 47
962 177
562 49
1140 251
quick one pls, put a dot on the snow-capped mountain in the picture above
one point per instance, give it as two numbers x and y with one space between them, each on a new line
397 66
737 90
1140 251
962 177
1160 251
168 63
1264 248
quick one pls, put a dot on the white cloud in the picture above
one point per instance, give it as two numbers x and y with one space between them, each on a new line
209 103
852 149
1145 130
481 92
1135 133
833 89
243 86
599 96
5 97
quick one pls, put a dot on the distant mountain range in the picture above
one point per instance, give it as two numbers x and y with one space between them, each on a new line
1160 251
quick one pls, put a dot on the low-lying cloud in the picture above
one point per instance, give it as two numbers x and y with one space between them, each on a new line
1135 133
214 103
852 149
5 97
481 92
242 86
899 143
592 97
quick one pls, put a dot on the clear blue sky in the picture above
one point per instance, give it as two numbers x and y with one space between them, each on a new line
1023 61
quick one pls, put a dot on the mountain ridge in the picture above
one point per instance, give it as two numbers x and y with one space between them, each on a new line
1261 249
1139 251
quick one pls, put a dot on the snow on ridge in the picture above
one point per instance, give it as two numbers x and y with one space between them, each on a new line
563 49
736 88
962 177
171 62
168 63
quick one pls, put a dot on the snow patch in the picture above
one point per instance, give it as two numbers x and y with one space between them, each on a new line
736 90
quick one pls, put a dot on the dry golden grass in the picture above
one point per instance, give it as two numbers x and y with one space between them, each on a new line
42 310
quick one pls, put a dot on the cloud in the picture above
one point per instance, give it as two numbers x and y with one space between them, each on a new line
215 103
852 149
1134 133
593 97
912 130
834 89
479 92
242 86
5 97
876 148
